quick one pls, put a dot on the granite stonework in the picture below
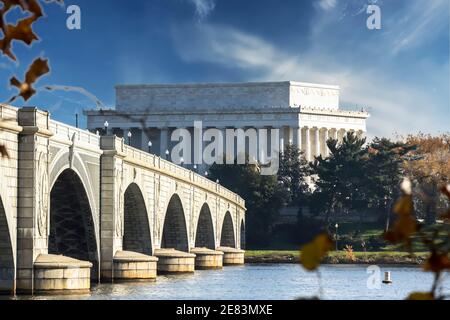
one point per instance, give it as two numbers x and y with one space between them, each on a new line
225 95
9 138
207 258
61 275
232 256
305 114
174 261
132 266
43 153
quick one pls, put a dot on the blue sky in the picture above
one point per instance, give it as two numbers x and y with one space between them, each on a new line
400 72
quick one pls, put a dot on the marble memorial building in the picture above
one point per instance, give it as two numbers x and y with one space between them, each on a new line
306 114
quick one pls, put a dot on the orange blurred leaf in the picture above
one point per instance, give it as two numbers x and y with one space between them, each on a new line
405 226
446 190
3 151
437 262
38 68
404 206
23 30
312 253
421 296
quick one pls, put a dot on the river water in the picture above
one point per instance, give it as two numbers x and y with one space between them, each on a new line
267 282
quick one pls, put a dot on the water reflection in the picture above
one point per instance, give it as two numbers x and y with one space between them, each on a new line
265 282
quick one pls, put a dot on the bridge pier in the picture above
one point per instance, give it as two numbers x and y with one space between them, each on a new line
207 258
73 204
55 274
132 266
232 256
174 261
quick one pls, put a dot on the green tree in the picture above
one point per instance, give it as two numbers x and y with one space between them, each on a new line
263 195
385 172
293 173
340 179
429 170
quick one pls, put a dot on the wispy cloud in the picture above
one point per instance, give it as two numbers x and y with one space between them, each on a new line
327 4
398 105
414 25
203 7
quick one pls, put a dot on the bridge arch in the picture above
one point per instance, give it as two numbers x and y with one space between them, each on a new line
6 253
72 229
204 236
64 160
242 234
137 235
227 236
175 234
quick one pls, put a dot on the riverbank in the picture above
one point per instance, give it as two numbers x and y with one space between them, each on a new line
340 257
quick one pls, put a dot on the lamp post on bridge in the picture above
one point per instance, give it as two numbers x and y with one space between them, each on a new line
167 154
106 125
150 147
129 137
337 227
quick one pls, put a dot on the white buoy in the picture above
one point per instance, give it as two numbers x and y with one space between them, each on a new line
387 278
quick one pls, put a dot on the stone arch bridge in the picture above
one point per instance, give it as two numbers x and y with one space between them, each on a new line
76 207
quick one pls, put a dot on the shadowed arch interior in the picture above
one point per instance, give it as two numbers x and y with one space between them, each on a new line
205 231
6 254
72 231
174 230
242 234
136 236
227 238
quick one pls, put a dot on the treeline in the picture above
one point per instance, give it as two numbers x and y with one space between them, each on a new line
354 179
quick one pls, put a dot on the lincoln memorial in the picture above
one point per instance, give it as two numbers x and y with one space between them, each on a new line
306 114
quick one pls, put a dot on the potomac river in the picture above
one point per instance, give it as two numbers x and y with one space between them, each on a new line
266 282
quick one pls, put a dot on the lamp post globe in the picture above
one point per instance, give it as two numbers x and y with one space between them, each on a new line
129 137
106 125
150 144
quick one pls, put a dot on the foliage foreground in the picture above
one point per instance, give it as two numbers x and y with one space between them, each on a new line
404 231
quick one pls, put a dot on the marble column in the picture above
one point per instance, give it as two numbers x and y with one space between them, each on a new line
298 138
317 142
164 142
335 134
282 142
290 131
326 151
341 135
308 143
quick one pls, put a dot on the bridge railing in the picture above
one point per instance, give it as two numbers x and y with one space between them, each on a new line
8 113
65 131
180 172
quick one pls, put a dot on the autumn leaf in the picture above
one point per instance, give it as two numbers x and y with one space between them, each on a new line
312 253
38 68
404 206
405 226
32 6
421 296
437 262
446 190
22 31
3 151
